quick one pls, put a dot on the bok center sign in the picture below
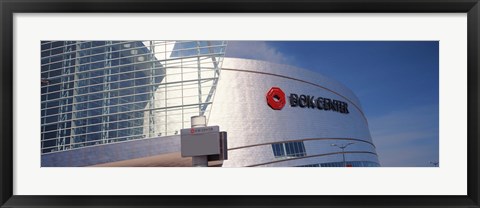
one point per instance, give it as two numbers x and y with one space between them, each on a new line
276 99
200 141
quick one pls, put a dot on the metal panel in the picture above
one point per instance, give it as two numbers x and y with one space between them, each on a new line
200 141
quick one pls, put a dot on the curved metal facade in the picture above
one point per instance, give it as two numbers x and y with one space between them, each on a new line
255 129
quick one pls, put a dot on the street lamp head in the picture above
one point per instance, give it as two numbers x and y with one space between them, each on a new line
348 144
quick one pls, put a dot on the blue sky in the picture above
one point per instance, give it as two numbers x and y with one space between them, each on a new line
396 82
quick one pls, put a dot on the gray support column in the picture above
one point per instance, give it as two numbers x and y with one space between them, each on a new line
199 121
200 161
199 70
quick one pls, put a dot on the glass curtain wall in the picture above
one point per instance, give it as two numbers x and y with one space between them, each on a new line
99 92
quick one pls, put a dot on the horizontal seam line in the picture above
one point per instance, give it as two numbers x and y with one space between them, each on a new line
297 140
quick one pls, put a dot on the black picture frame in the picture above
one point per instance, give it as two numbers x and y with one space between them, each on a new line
9 7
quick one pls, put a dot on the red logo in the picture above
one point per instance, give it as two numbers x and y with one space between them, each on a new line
192 130
276 98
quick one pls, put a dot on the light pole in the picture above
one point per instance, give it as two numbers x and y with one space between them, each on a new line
343 151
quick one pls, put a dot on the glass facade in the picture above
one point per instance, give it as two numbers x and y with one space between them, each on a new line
289 149
98 92
341 164
297 150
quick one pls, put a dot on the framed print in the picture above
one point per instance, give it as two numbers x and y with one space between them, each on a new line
267 103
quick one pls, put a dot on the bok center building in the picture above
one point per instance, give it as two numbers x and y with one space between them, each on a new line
123 103
282 116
